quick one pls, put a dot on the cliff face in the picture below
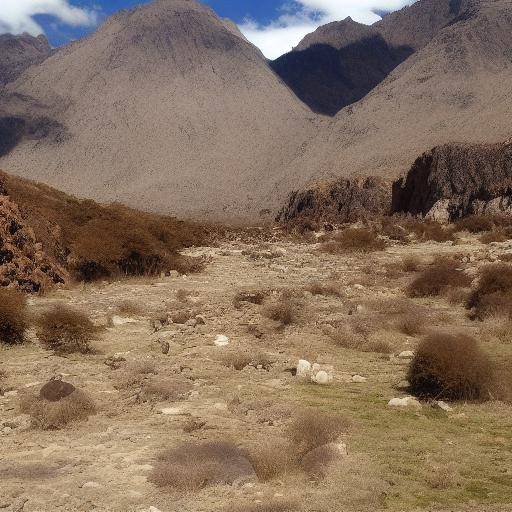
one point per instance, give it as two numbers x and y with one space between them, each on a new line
451 181
23 262
339 201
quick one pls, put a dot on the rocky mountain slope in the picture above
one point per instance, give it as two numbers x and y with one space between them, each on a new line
457 88
452 181
18 53
167 108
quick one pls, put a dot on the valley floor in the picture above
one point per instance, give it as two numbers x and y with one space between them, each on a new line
398 459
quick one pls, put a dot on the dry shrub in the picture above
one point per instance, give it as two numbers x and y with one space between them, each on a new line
441 276
249 296
13 316
362 337
360 240
452 367
272 459
268 506
428 230
166 388
412 324
182 316
475 223
498 235
239 360
129 308
193 466
319 461
54 415
493 293
497 328
327 289
443 477
313 428
411 263
66 330
285 309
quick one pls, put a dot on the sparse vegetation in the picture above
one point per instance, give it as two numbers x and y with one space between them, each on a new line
66 330
272 458
249 296
192 466
171 388
129 308
285 308
13 316
361 240
327 289
450 366
268 506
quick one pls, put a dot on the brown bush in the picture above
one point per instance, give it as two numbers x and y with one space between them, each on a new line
361 240
438 278
428 230
129 308
475 223
13 316
66 330
327 289
493 293
268 506
285 308
412 324
318 461
272 459
411 263
193 466
54 415
497 235
166 388
313 428
450 366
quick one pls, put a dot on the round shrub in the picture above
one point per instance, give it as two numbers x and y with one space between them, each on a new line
13 316
451 367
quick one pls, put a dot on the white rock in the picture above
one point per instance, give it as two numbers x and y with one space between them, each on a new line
221 340
406 354
322 377
443 406
192 322
359 379
91 485
174 273
119 320
172 411
154 509
303 368
11 393
408 401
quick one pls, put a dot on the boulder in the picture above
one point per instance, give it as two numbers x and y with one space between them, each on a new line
55 390
406 402
303 369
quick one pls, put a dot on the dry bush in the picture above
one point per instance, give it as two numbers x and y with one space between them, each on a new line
497 235
361 336
450 366
475 223
313 428
54 415
129 308
428 230
497 328
166 388
412 324
239 360
285 309
193 466
360 240
249 296
267 506
13 316
66 330
443 477
317 463
182 315
327 289
272 459
411 263
442 275
493 293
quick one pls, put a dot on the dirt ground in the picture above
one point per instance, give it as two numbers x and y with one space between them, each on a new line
398 459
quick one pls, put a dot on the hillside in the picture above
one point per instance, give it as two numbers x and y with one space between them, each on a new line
166 108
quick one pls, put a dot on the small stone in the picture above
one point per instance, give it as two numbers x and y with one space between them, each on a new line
119 320
91 485
11 393
406 354
443 406
201 320
406 402
221 340
322 377
165 346
303 368
173 274
359 287
359 379
172 411
403 384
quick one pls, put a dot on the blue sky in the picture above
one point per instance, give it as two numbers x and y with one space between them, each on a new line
275 26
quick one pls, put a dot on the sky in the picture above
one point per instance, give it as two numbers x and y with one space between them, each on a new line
275 26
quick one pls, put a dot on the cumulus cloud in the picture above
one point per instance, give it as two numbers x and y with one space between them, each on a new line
17 16
300 17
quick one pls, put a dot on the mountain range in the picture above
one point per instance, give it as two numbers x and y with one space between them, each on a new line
168 108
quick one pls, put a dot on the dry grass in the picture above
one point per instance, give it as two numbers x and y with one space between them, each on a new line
66 330
475 224
313 428
493 293
411 263
272 458
238 360
358 240
327 289
440 277
360 335
450 366
48 415
166 388
412 324
267 506
285 309
497 329
193 466
129 308
13 316
428 230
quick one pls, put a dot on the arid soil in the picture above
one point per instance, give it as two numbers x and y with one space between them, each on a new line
398 459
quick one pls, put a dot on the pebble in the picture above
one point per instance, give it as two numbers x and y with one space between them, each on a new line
118 320
172 411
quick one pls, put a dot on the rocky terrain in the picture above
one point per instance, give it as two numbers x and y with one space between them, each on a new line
460 462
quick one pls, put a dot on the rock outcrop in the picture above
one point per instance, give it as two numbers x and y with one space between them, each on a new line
452 181
339 201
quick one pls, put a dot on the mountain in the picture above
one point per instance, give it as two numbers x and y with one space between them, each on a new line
166 107
341 62
456 88
17 53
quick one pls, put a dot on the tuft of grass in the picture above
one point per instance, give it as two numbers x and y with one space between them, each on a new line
129 308
452 367
166 388
66 330
13 316
285 309
272 459
412 324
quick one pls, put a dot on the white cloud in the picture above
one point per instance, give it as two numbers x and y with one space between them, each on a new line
303 16
17 16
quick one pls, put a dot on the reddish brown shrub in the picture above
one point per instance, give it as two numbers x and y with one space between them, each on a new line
354 240
450 366
493 293
326 289
438 278
13 316
475 223
192 466
66 330
271 459
428 230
